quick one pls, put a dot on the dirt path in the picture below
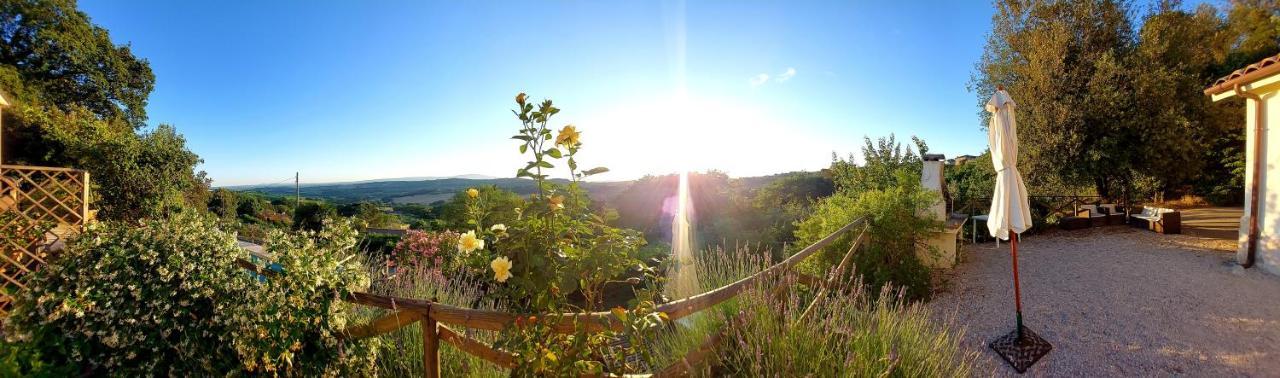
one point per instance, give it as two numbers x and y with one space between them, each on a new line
1120 301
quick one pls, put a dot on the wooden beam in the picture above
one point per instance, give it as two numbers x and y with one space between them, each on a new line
430 348
476 348
385 324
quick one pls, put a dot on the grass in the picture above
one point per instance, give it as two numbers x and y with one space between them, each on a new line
848 333
852 332
715 268
401 355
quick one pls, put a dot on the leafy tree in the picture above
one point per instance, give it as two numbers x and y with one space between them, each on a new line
971 180
1063 62
497 206
224 203
882 160
134 175
370 214
60 59
80 100
1118 109
310 215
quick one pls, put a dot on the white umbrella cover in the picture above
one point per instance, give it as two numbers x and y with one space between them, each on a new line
1009 208
1010 213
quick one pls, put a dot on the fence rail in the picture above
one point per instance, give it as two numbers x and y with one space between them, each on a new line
43 205
436 318
1041 206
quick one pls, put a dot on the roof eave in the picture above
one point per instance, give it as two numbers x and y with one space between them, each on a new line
1226 88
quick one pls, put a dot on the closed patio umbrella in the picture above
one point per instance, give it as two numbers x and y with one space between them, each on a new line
1010 215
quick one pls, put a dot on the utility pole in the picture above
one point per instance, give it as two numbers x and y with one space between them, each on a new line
297 191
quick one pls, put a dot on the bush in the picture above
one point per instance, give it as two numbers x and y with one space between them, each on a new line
426 248
888 254
849 334
167 297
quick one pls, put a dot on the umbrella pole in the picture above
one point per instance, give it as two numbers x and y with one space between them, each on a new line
1017 289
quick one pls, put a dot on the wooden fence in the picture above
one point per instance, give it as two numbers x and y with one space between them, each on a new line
1041 206
437 319
43 205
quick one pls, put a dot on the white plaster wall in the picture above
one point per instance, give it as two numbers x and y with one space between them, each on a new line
1268 254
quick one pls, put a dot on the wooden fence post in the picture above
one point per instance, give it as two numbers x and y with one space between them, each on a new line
430 347
84 199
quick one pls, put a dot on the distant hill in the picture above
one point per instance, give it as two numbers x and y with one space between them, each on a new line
426 190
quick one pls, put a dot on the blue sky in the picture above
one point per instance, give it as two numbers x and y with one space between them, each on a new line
363 90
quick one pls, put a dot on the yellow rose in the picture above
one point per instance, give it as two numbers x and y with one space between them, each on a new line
520 98
473 193
557 202
501 269
568 136
469 242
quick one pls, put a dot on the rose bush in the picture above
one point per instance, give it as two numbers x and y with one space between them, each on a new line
424 248
555 248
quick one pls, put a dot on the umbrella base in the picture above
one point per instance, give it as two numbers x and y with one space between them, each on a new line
1021 352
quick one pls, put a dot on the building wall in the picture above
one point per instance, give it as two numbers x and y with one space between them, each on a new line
1268 254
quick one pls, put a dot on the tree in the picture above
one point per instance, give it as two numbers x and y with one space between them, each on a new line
133 175
310 215
224 204
370 214
60 59
498 206
1063 64
1118 109
80 100
881 162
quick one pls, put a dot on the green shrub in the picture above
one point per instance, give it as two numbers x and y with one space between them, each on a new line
888 255
166 297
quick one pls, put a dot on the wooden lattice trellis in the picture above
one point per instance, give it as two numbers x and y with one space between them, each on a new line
42 207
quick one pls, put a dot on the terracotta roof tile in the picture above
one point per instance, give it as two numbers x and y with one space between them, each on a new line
1244 75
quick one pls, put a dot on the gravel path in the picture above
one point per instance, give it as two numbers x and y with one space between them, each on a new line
1117 301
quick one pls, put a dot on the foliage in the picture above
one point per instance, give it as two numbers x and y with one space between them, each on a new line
25 360
882 161
850 333
426 249
427 282
135 175
494 206
167 297
224 203
1148 131
555 246
293 324
888 255
65 60
972 180
310 215
370 215
79 100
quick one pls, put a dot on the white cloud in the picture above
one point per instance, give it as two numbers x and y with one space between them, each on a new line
791 72
759 80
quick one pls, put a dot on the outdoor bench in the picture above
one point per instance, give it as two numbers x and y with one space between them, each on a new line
1158 219
1093 214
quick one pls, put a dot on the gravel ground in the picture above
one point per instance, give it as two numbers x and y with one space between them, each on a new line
1117 301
